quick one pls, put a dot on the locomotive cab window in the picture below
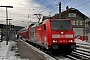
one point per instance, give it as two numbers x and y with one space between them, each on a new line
61 24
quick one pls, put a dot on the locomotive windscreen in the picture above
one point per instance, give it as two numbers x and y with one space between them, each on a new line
60 25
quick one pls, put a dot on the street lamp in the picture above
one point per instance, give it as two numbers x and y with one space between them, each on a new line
7 21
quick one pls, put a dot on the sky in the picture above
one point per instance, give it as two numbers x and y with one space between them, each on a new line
23 11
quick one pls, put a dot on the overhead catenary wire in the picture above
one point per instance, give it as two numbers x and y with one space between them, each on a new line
76 6
39 7
83 4
41 4
67 2
61 8
47 7
55 8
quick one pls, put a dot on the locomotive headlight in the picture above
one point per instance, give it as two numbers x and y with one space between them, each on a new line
55 35
69 35
70 41
62 32
55 41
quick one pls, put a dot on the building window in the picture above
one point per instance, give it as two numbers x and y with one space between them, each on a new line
72 15
73 22
79 22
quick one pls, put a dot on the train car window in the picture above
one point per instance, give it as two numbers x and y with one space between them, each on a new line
44 27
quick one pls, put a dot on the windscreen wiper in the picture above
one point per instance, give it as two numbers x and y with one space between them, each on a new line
61 26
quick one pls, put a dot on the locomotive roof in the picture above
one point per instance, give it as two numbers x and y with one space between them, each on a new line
36 24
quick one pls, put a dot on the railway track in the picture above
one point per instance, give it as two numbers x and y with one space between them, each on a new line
83 44
82 52
79 54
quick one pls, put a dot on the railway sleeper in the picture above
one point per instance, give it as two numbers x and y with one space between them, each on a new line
79 56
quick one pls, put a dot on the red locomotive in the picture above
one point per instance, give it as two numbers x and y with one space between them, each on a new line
52 35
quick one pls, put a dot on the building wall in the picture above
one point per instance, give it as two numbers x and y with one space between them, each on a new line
87 21
78 31
77 18
89 26
88 37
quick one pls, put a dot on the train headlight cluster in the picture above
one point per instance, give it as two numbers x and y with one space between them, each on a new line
55 41
70 40
55 35
69 35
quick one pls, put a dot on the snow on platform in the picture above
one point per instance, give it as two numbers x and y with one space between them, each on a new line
5 53
3 49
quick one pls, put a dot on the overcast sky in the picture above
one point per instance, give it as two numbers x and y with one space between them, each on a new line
23 11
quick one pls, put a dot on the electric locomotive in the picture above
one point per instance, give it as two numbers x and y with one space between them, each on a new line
53 35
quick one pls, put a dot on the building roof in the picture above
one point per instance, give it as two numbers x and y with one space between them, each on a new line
64 12
76 10
70 10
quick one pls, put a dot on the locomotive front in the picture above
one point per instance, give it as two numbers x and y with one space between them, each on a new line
61 35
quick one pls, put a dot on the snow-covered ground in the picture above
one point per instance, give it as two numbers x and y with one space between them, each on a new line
5 53
4 49
80 41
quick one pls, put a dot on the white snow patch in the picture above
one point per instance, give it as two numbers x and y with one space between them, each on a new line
4 49
5 52
80 41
